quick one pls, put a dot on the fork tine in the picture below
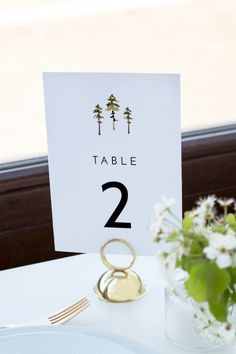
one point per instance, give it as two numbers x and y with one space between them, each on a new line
67 309
68 312
66 317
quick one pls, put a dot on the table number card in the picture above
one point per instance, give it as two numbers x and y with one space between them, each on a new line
114 149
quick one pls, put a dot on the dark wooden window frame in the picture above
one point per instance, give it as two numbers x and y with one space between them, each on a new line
26 234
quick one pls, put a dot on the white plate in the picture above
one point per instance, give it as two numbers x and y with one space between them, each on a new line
66 340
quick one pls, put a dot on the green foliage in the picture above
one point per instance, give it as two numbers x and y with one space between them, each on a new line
196 247
231 221
232 272
173 236
204 246
219 228
207 282
233 297
189 262
220 309
187 222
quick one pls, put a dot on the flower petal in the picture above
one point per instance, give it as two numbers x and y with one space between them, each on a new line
224 261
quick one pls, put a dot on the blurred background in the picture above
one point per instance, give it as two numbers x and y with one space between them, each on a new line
196 38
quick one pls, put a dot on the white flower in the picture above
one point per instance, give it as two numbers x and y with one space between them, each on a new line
163 207
205 212
160 211
167 202
225 202
199 217
167 256
202 315
228 333
182 247
165 247
167 262
205 323
207 202
155 227
214 332
203 231
176 281
220 248
218 332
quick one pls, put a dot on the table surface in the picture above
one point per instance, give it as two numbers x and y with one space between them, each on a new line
33 291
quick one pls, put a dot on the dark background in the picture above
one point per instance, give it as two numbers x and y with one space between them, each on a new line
26 234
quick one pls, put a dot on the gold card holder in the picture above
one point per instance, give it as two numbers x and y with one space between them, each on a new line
119 284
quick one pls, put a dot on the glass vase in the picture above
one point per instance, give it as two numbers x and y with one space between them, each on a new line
180 326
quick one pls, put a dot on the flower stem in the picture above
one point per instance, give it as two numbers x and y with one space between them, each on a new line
175 217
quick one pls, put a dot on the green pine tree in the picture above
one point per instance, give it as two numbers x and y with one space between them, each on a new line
113 106
98 116
127 116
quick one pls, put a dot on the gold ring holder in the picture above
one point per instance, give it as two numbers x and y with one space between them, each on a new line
119 284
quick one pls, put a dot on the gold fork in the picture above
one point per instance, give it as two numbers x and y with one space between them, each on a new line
56 318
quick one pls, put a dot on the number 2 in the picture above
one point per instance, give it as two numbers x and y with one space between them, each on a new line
111 222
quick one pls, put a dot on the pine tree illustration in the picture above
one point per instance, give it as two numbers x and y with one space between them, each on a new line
98 115
127 116
113 106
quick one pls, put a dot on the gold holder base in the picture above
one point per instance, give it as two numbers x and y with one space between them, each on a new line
119 284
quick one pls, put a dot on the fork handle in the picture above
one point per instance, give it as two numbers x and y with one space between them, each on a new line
9 326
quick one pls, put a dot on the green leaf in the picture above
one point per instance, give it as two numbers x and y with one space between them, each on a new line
189 262
233 297
179 263
187 222
232 272
220 309
230 218
219 228
172 236
231 221
207 282
233 226
196 248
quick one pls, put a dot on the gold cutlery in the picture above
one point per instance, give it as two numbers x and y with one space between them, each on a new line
57 318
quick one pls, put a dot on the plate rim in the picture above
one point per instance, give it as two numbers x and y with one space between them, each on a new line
130 343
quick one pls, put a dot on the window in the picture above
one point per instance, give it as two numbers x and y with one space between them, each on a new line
195 38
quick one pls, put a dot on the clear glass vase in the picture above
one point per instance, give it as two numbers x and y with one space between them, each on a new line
180 327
